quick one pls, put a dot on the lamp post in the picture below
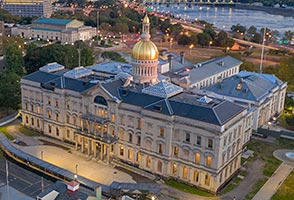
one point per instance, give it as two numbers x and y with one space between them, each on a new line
210 43
171 43
7 181
76 174
42 180
191 47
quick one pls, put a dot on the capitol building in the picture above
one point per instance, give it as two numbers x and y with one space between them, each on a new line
155 126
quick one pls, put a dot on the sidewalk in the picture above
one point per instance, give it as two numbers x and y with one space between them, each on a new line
274 182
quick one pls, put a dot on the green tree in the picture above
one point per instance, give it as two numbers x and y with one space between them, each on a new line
248 66
9 90
204 39
238 28
184 40
194 39
87 57
222 40
14 59
289 35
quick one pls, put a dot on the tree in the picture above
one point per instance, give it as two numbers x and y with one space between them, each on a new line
251 31
9 90
194 39
87 57
184 40
238 28
256 38
222 40
14 59
248 66
204 39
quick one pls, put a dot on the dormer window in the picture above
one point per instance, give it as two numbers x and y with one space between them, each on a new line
239 86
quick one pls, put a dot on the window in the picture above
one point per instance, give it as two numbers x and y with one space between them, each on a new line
160 148
148 162
187 139
198 142
208 161
159 166
186 154
56 103
67 133
67 105
138 140
210 143
74 119
57 131
197 157
161 132
38 109
139 124
49 101
32 107
112 148
130 137
176 151
38 123
207 179
49 114
112 117
225 141
175 169
138 157
121 151
33 122
49 129
26 105
185 172
196 176
27 119
130 154
67 118
57 117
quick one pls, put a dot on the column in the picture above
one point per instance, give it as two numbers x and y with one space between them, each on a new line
89 146
101 151
108 153
83 144
94 148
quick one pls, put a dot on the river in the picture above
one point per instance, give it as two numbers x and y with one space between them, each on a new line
225 17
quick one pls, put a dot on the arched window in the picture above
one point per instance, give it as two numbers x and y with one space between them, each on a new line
100 100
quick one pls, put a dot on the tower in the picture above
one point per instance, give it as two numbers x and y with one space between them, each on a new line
145 57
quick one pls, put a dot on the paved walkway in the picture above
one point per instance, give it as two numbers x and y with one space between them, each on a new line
276 180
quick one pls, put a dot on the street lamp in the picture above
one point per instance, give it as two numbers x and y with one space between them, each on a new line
171 43
210 43
76 174
191 47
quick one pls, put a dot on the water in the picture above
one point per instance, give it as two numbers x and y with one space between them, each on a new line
225 17
290 155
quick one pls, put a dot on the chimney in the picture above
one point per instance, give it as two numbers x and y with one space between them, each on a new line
170 58
182 57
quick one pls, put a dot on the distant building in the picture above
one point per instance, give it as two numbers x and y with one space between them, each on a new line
28 8
204 74
153 125
65 30
265 93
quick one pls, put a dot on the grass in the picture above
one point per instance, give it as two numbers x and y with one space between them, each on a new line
264 150
3 129
282 120
286 190
232 185
187 188
29 132
256 188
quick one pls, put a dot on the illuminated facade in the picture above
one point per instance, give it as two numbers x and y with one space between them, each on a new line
26 8
155 126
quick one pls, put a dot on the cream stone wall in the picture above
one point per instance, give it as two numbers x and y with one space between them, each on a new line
163 145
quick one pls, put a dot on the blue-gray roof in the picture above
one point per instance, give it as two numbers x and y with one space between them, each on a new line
246 85
53 21
209 68
216 112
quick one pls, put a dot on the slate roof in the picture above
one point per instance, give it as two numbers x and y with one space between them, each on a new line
246 85
112 67
53 21
40 77
216 112
208 68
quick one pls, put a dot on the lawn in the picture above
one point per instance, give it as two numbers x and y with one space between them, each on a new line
3 129
264 150
286 191
29 132
187 188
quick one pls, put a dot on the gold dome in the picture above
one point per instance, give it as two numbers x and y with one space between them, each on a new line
146 19
145 50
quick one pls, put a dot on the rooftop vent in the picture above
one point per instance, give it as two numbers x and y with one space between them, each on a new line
204 99
73 186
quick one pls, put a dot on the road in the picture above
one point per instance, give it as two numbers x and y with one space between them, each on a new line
22 179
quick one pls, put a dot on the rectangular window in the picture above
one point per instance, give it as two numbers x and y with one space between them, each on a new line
207 179
57 117
185 172
175 169
139 124
138 140
225 141
121 151
138 157
196 176
112 117
49 129
56 103
187 139
198 142
130 138
148 162
67 118
130 154
176 151
210 143
161 132
67 133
